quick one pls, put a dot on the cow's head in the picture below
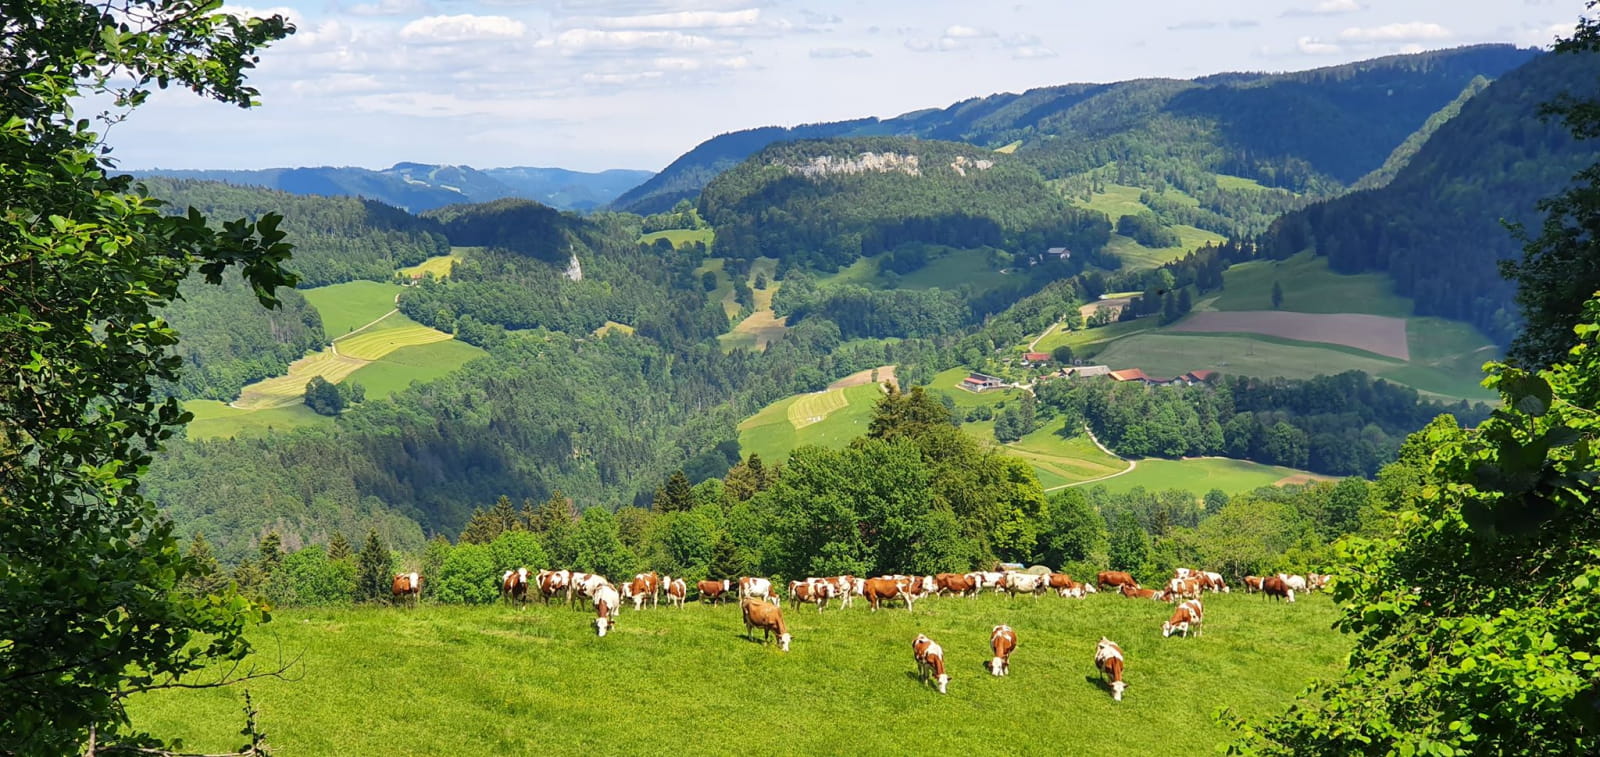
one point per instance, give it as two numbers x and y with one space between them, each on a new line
1167 629
943 681
1116 690
783 642
997 666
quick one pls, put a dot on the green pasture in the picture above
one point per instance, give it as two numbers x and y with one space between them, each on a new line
438 265
724 291
763 326
1136 256
1117 201
948 384
779 428
493 680
1309 286
351 305
955 269
680 237
1163 354
422 362
214 420
1204 474
1060 459
1086 342
1225 181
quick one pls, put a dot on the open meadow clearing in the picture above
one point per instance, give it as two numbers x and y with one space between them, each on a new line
492 680
1309 286
1383 335
762 326
830 418
680 237
1136 256
1200 475
438 266
213 419
351 305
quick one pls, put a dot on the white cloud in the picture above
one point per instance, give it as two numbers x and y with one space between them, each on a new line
578 40
959 31
390 8
1029 52
1327 8
1314 46
1413 31
839 52
678 20
462 28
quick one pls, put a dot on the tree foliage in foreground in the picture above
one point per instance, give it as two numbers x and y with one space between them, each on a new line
91 609
1477 623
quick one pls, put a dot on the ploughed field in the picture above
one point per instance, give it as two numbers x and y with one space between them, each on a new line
442 679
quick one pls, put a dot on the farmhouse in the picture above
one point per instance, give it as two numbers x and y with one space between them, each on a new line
978 382
1035 358
1087 371
1060 252
1188 379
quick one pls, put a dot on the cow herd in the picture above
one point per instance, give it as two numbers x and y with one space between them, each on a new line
759 602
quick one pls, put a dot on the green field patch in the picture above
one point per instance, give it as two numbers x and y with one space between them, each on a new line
1089 341
948 384
724 291
761 327
1164 354
216 420
1226 181
680 237
1204 474
955 269
420 363
1137 257
491 680
610 326
1309 286
439 266
779 428
863 272
351 305
1116 201
1008 149
386 336
1061 458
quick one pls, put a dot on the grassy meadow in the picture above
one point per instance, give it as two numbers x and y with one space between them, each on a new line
1201 475
830 418
679 237
351 305
763 326
493 680
213 419
439 266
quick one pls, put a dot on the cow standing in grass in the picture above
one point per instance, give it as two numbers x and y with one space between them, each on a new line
677 590
607 605
1277 588
766 616
1187 615
713 590
552 583
1114 579
1002 640
514 587
1108 660
880 590
406 588
930 661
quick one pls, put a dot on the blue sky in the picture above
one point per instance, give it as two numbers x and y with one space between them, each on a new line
594 84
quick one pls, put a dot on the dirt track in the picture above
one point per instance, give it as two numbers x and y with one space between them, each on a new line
885 373
1382 335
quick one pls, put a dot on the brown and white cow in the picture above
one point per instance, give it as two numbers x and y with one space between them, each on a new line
1026 583
1317 581
1108 660
552 583
1252 584
584 585
755 587
879 590
930 661
1107 579
959 584
766 616
514 587
1187 588
1277 588
1294 582
1060 582
1187 615
1132 593
1213 582
713 590
1002 640
645 586
814 590
676 590
607 605
995 580
406 588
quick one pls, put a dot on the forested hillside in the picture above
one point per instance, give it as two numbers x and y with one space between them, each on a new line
336 238
229 341
1437 227
420 186
1312 131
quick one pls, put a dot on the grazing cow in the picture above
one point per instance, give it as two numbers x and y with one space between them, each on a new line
814 590
1108 659
1188 614
1213 581
1186 588
1026 583
1061 582
994 580
514 587
406 588
767 617
1297 583
644 586
960 584
552 583
575 585
1110 579
930 660
586 584
752 587
1277 588
1132 593
1252 584
878 590
713 590
677 590
1317 581
1002 640
606 607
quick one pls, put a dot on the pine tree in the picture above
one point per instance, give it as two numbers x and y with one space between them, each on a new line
676 496
373 572
726 562
481 528
270 553
1277 295
339 547
208 577
1130 545
503 517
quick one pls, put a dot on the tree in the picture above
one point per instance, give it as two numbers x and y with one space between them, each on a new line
1076 533
85 264
708 281
468 575
727 563
322 397
1129 548
1277 295
339 547
374 573
207 577
1062 354
1476 624
596 546
1560 268
676 496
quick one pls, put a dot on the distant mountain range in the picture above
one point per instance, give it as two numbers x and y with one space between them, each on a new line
1313 132
420 186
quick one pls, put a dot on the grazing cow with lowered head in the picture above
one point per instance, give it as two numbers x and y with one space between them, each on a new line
713 590
753 587
1252 584
1132 593
960 584
1189 614
1213 581
677 590
1113 579
1026 583
1002 640
514 587
767 617
607 605
1297 583
1108 660
1277 588
879 590
930 661
406 588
